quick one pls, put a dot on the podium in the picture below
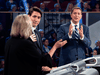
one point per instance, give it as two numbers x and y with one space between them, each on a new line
63 70
79 67
92 61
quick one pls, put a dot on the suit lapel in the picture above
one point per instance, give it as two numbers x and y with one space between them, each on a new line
40 41
80 26
69 24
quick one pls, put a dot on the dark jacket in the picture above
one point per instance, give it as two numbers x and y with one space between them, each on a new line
23 58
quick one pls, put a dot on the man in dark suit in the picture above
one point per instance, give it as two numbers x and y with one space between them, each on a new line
35 15
77 36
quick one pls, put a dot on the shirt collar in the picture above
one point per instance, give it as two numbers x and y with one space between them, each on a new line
33 28
74 24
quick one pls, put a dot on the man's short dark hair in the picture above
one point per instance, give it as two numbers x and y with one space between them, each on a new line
76 8
34 9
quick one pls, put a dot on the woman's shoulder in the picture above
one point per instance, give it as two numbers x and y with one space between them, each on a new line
19 41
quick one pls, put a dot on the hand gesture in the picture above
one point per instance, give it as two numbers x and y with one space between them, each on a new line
60 43
33 37
46 68
70 30
81 31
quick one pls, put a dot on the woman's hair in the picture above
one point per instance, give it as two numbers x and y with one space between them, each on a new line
21 27
68 7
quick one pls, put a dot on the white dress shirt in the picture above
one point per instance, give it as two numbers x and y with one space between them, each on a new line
74 29
33 28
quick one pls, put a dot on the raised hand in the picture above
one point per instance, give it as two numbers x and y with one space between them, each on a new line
70 30
33 37
81 32
60 43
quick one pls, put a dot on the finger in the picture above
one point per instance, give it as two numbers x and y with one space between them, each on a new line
31 37
60 40
43 66
34 36
71 27
81 27
78 29
34 40
64 42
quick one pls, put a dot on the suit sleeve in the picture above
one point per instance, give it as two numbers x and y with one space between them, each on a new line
86 39
61 33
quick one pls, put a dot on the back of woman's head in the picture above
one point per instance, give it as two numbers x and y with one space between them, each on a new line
21 27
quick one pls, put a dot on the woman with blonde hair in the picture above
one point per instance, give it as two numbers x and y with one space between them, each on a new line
69 7
21 54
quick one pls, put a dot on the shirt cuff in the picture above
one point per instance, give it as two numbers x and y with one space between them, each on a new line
69 36
82 38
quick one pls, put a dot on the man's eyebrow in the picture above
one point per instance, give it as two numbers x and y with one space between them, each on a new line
34 15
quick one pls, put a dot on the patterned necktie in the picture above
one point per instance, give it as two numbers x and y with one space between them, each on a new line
76 32
37 37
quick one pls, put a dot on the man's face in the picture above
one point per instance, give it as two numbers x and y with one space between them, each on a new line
70 7
57 7
94 52
76 15
42 6
97 5
35 17
85 5
42 33
46 43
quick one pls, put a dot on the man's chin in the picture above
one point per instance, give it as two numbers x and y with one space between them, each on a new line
76 21
34 25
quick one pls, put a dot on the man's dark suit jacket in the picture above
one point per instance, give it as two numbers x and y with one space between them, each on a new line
74 49
23 58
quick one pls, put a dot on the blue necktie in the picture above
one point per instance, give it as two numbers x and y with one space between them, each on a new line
38 43
76 32
37 37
